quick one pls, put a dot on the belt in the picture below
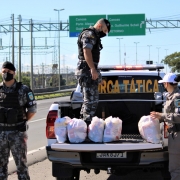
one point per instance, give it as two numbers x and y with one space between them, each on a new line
12 127
84 61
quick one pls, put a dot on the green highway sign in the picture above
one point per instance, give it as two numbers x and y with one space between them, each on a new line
78 23
127 24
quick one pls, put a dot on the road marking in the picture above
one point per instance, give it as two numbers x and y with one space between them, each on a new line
36 120
30 152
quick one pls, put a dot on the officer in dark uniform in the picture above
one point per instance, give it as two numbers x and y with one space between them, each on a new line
89 46
17 106
171 116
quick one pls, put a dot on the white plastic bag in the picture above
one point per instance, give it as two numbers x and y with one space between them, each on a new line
77 130
96 129
149 129
60 129
113 128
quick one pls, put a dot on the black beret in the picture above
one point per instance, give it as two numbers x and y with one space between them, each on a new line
9 66
108 24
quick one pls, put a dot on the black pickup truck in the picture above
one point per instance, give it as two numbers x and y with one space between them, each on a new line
128 92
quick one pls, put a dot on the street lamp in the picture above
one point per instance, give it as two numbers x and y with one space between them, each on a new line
158 54
136 51
58 10
119 50
149 52
166 56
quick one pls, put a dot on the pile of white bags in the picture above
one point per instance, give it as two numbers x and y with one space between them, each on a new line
60 128
96 129
149 129
77 130
113 128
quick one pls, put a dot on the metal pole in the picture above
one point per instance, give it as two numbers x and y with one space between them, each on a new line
59 45
158 54
13 38
119 50
31 28
149 52
19 71
166 56
136 51
59 53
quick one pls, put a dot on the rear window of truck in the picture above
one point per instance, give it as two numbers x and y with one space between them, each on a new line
130 84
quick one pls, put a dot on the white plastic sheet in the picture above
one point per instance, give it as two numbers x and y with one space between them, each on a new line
113 128
60 129
77 130
150 129
96 129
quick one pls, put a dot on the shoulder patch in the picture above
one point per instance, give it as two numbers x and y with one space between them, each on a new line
30 95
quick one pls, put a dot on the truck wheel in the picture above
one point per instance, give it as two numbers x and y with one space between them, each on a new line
76 174
165 172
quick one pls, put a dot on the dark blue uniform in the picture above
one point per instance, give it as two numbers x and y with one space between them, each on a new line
89 38
13 136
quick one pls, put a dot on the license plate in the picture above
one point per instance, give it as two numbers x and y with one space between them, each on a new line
111 155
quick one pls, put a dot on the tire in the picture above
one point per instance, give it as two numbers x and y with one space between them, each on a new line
165 172
76 174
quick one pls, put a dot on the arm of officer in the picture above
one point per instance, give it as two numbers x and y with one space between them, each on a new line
30 115
172 117
88 41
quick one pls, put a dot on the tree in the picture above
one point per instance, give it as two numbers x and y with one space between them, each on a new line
173 61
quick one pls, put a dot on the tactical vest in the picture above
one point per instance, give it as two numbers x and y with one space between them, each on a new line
95 50
10 110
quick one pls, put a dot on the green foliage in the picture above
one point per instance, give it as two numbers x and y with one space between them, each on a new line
173 61
25 79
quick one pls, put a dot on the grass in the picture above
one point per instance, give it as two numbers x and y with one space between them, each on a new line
50 96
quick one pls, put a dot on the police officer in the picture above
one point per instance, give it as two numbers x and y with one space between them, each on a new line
171 116
17 106
89 46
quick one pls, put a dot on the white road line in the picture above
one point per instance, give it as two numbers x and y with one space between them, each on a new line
35 150
36 120
30 152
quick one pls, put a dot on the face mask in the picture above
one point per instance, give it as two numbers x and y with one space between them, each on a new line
102 34
7 76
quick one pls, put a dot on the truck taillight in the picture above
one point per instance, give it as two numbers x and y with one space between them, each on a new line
166 133
51 117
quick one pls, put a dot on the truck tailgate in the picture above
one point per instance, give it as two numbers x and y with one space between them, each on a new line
128 146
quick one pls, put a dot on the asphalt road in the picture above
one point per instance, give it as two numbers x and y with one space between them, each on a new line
40 166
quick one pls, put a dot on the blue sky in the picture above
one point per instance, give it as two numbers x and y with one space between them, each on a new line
167 40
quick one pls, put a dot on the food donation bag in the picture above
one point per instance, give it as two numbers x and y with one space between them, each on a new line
60 128
113 128
96 129
77 130
150 129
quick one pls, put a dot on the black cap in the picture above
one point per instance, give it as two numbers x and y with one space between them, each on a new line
108 24
9 66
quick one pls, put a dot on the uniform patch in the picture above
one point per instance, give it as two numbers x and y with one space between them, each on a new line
30 94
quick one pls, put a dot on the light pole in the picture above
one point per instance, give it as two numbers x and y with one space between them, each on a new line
149 52
166 56
58 10
136 51
158 54
119 50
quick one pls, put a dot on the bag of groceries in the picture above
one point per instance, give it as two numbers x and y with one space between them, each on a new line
113 128
77 130
150 129
60 128
96 129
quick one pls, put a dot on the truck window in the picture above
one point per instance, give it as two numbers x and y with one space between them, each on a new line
131 84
